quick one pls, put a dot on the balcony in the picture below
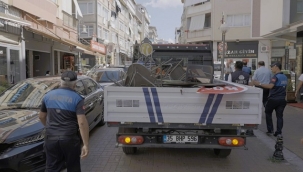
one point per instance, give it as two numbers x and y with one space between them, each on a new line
206 7
70 21
200 35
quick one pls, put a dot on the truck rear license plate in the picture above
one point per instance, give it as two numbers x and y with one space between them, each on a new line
179 139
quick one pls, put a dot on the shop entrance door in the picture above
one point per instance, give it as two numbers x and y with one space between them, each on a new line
14 66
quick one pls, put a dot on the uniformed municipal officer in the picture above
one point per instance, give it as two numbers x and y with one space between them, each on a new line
276 99
63 115
239 76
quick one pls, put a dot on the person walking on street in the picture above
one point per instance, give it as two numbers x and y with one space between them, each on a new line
228 69
245 68
263 75
62 114
239 76
299 89
276 99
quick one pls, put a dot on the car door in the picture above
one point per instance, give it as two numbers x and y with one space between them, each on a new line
92 100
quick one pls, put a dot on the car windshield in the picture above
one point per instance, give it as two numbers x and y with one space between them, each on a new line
28 93
109 76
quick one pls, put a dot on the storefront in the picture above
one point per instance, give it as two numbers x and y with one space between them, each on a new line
11 50
241 51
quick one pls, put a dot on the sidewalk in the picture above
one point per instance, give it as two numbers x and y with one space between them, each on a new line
292 129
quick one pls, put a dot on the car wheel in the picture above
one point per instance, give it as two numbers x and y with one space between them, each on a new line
222 153
128 150
101 123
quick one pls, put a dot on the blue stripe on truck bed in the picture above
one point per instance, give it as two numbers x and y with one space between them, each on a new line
149 105
203 116
214 109
157 104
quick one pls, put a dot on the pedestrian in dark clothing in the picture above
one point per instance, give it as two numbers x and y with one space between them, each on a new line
263 75
245 68
62 114
239 76
276 99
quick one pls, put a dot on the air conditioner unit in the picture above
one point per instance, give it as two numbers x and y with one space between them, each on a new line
264 49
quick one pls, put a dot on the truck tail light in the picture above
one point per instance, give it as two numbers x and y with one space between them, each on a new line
231 141
130 140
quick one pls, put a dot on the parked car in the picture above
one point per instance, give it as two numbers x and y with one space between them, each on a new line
108 76
22 133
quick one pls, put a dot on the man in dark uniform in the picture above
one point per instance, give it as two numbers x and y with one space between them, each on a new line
239 76
62 113
276 99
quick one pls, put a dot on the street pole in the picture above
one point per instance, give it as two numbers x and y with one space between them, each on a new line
223 53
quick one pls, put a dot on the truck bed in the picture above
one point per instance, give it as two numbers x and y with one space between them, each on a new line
181 105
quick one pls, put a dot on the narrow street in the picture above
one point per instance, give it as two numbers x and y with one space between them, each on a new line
106 158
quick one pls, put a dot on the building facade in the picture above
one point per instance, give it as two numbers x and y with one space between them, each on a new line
153 35
284 26
202 19
116 24
44 38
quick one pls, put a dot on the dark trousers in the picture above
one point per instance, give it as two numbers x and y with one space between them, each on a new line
61 153
278 105
265 96
226 77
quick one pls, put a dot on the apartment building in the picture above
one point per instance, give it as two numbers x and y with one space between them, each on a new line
282 22
153 35
116 24
39 36
201 21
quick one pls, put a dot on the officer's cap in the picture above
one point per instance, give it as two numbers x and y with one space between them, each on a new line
276 64
69 76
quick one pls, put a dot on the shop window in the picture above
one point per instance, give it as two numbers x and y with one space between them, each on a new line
14 66
69 62
299 6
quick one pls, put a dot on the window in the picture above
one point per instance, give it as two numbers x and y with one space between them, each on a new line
80 88
299 6
105 34
86 8
90 85
114 39
238 20
207 23
105 13
90 31
99 9
99 32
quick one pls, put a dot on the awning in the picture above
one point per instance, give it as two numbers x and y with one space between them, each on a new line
14 20
193 2
78 8
197 22
77 47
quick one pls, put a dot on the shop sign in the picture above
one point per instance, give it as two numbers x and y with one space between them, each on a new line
96 46
277 52
248 49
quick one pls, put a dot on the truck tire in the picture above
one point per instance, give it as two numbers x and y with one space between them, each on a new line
222 153
128 150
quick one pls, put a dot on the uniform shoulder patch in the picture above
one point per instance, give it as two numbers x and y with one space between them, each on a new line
273 79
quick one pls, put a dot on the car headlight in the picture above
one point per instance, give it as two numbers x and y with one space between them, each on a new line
29 140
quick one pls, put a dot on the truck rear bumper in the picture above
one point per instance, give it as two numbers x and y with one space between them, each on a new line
200 146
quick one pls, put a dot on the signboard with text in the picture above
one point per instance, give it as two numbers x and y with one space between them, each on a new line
96 46
246 49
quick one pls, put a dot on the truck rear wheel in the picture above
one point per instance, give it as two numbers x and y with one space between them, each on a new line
222 153
128 150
